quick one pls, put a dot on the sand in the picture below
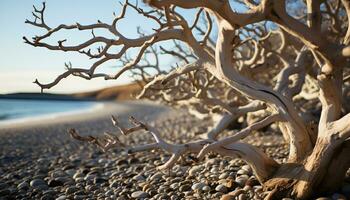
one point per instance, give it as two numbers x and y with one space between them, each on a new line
101 111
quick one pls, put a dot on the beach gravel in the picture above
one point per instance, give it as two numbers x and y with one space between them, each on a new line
43 162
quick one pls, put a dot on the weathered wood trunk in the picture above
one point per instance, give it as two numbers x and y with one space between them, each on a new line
322 172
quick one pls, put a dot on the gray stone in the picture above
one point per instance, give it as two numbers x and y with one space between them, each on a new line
241 180
206 188
139 194
198 186
63 197
214 170
109 193
242 171
99 180
55 183
195 169
174 197
139 178
89 177
70 172
37 182
156 176
47 197
58 173
78 175
221 188
79 197
223 175
247 168
185 187
50 192
23 186
71 190
247 188
174 186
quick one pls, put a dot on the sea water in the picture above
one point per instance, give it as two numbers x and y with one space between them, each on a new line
12 109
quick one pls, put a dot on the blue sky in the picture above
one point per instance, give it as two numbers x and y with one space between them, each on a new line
20 63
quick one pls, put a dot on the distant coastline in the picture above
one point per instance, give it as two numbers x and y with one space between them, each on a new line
45 96
120 92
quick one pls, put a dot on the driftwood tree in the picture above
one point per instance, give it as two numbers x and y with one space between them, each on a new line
281 58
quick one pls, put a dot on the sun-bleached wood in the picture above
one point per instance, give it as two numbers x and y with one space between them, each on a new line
235 65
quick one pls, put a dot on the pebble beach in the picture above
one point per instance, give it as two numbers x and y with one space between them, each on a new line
41 161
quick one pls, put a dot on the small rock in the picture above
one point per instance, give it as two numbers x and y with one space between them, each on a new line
114 184
63 197
139 194
55 183
46 197
242 172
50 192
156 176
122 162
57 174
78 175
223 175
89 177
252 182
70 172
214 170
139 178
99 180
109 193
247 168
64 180
37 182
206 188
71 190
174 186
247 188
228 197
198 186
195 169
241 180
221 188
23 186
174 197
79 197
184 188
133 161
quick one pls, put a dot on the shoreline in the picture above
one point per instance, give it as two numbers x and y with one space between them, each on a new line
8 123
103 109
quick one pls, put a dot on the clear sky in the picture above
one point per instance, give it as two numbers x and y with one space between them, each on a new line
21 64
